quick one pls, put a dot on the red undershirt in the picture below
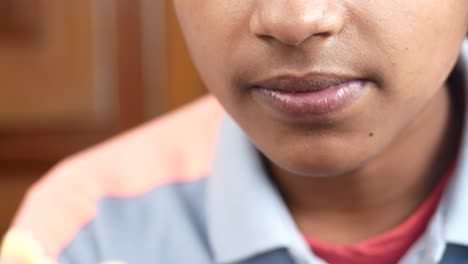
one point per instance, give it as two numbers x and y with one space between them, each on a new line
389 247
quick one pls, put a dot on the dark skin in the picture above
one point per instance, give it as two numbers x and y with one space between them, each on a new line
353 173
350 174
349 215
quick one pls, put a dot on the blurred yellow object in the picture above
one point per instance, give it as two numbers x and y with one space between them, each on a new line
21 246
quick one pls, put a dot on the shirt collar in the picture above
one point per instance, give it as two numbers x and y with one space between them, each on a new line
245 213
454 204
449 225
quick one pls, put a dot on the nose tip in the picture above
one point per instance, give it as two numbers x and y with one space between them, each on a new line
292 22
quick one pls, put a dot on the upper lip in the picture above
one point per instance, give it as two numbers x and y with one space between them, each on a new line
305 83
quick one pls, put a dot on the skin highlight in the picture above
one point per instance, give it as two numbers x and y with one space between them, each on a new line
357 172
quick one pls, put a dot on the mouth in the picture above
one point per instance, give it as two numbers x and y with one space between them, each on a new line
310 95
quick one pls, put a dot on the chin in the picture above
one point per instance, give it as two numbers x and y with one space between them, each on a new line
320 165
314 170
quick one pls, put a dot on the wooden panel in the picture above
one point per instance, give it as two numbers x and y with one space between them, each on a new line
51 80
183 82
58 92
12 189
169 77
129 61
73 73
154 57
92 66
18 20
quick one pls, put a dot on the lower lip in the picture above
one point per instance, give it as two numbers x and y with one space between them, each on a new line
312 103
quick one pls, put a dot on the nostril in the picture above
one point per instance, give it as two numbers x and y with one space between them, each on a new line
293 22
266 38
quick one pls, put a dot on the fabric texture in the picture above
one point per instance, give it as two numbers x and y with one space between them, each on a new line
389 247
191 188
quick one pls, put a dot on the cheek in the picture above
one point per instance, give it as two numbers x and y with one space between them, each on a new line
200 36
213 30
415 44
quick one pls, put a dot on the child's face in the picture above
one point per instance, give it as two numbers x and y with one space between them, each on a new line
402 50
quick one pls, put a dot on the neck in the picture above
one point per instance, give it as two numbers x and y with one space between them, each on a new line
385 191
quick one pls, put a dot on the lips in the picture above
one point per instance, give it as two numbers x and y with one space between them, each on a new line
312 95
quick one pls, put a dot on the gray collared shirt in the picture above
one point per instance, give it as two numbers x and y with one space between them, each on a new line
240 188
233 214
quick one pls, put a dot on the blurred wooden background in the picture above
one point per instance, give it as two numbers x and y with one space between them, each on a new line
75 72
